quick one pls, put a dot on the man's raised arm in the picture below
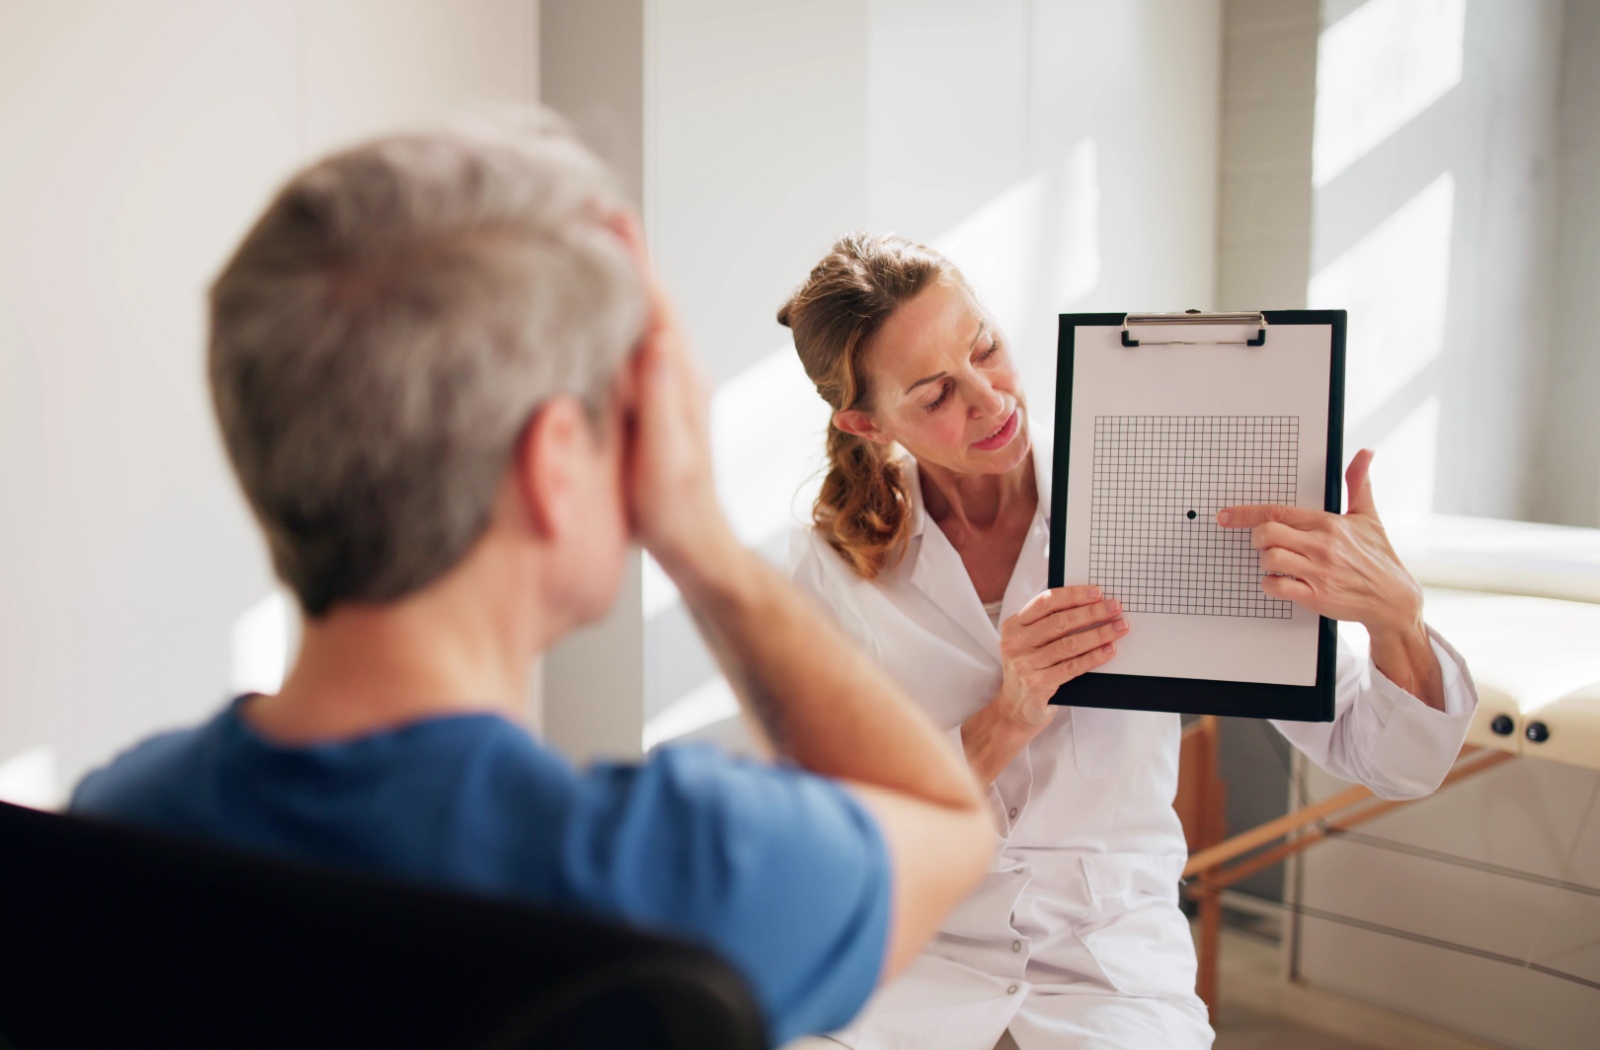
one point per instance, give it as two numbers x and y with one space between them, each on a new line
821 702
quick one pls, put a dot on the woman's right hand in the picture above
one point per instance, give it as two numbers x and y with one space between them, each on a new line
1053 639
1056 637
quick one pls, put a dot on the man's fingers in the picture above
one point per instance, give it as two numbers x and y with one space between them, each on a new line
626 225
1249 515
1044 603
1358 479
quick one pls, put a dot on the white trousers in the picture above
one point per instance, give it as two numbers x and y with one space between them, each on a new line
1088 1022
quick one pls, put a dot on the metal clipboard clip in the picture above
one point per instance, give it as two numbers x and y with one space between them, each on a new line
1247 321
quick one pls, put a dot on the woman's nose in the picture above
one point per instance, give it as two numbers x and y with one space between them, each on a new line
986 400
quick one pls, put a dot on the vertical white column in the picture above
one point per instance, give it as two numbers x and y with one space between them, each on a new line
1566 474
591 69
1269 70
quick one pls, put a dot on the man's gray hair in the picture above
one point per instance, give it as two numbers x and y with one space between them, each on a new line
385 331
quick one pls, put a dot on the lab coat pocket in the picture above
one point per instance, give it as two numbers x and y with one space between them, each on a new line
1134 930
1099 741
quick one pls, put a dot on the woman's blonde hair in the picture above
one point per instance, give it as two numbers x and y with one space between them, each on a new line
864 508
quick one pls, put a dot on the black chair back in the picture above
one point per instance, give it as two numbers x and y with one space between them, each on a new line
117 937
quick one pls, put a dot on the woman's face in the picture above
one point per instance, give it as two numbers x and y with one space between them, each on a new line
944 385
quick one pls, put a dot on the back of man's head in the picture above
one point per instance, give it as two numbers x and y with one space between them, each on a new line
385 331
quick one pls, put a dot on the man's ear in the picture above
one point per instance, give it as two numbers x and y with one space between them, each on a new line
854 421
547 456
625 223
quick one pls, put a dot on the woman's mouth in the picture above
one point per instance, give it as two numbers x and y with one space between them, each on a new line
1003 435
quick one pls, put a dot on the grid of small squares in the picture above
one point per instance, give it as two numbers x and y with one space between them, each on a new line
1154 542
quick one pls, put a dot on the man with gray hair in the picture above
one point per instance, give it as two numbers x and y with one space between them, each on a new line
453 395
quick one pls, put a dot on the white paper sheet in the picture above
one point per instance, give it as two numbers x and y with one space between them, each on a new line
1163 432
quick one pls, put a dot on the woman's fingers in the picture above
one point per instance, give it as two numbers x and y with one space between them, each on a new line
1060 635
1072 645
1276 534
1287 588
1042 632
1286 562
1252 516
1059 674
1058 599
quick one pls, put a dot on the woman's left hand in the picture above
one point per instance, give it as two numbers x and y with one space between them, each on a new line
1337 565
1342 566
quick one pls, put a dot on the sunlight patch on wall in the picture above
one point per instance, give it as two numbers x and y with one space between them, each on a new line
31 779
1377 68
767 432
1405 467
705 706
1395 282
767 429
1034 249
262 637
1032 253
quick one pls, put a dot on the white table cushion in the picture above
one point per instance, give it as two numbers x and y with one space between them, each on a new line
1534 660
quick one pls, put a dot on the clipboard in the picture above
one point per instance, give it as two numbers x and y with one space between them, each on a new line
1161 420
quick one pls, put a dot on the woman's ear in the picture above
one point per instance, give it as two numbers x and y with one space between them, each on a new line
859 423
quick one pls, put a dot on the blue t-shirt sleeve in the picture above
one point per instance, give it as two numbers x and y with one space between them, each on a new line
785 874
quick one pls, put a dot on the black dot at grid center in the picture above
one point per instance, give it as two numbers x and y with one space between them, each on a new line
1192 515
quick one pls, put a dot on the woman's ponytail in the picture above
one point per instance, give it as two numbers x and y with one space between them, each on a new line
864 508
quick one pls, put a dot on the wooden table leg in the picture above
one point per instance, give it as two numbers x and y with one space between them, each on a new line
1210 902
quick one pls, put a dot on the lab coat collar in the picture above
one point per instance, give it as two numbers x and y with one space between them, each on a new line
938 572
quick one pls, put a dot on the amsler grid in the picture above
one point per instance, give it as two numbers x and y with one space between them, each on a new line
1154 542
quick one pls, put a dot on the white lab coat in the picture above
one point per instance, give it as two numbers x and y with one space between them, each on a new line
1074 938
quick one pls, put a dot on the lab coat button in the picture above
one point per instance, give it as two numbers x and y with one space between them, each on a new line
1013 812
1012 990
1016 946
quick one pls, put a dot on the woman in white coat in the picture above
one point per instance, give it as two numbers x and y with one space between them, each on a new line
930 548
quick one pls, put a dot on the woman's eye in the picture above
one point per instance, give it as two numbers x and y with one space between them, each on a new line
994 348
944 395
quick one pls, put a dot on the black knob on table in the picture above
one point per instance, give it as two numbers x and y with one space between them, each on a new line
1538 732
1502 725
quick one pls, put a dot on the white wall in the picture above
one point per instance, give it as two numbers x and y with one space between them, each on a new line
1567 469
1064 154
138 142
1441 128
1400 159
1434 223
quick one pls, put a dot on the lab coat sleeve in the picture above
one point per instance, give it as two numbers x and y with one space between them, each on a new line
822 576
1383 737
819 581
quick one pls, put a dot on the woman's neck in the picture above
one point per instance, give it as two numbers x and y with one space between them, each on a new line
978 502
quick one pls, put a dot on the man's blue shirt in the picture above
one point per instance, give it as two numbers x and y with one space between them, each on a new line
785 874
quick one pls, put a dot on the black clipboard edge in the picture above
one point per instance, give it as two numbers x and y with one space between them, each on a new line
1311 703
